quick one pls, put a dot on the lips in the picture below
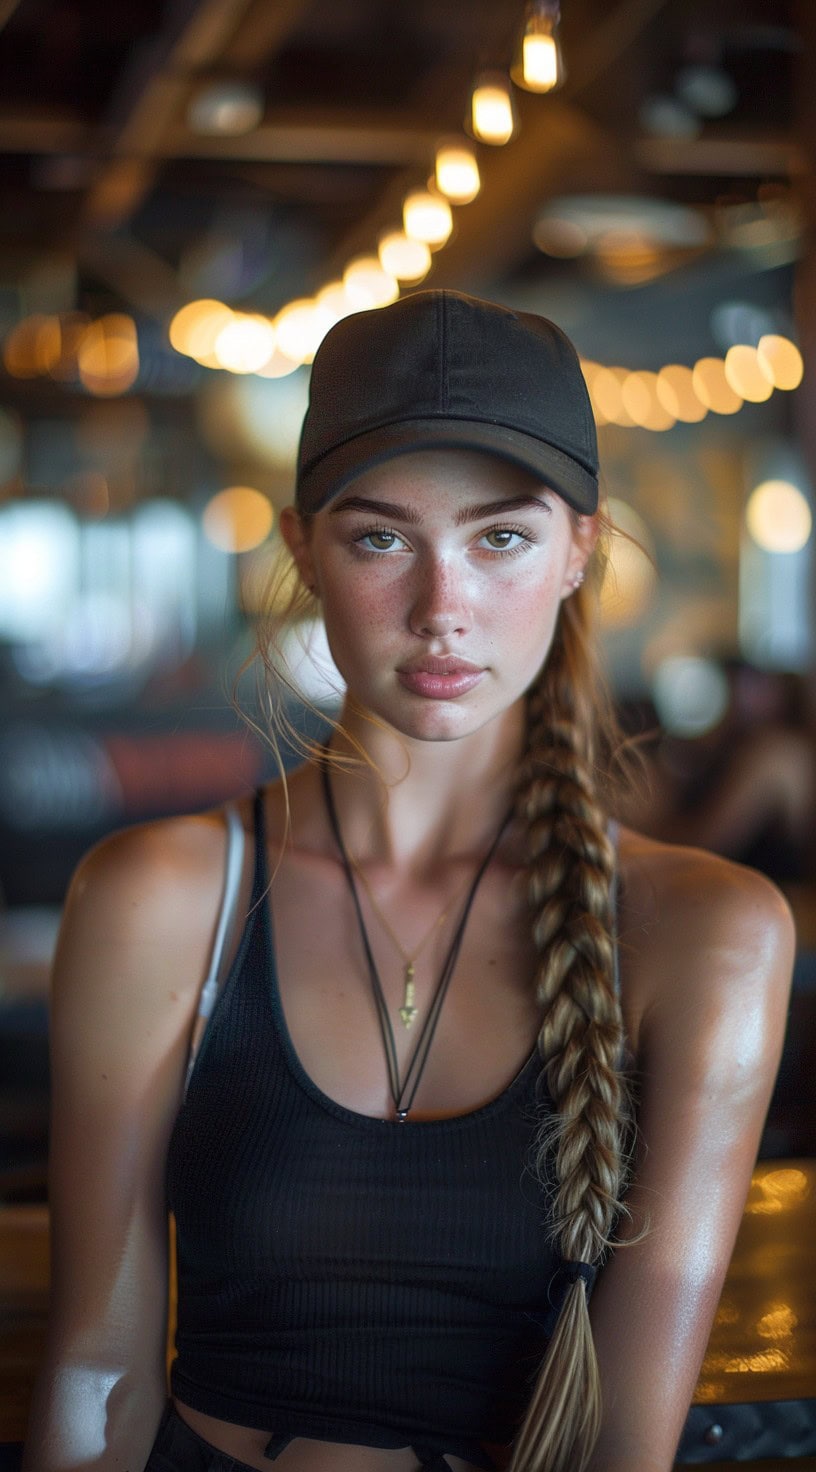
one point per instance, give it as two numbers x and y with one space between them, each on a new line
440 664
440 677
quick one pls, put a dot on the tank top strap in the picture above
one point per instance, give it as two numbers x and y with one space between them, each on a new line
260 880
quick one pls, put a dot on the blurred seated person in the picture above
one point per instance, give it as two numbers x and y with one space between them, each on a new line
747 787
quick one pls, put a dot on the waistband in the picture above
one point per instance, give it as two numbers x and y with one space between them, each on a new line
178 1448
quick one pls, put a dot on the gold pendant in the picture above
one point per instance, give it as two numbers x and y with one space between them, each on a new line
408 1010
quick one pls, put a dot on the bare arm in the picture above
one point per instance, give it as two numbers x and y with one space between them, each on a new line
132 952
721 956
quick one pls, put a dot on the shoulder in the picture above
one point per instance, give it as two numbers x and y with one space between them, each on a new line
701 938
160 874
669 887
137 931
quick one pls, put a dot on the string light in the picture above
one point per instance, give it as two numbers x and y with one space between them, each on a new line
540 65
245 344
457 172
300 327
745 374
712 387
427 217
781 360
368 284
403 258
492 114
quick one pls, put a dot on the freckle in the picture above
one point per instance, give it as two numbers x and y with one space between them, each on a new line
105 1077
174 996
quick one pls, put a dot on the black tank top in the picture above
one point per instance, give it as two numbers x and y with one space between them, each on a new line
343 1277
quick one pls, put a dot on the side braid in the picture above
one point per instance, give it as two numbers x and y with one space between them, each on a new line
571 864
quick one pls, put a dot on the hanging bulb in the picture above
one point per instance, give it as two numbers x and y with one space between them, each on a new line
492 114
539 66
457 172
427 217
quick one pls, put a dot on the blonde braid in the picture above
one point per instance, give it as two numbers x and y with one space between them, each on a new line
571 867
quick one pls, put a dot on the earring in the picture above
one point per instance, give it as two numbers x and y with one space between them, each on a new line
577 580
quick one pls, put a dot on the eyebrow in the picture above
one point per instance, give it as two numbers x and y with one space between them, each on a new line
391 511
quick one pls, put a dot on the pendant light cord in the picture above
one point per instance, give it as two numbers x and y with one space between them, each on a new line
403 1094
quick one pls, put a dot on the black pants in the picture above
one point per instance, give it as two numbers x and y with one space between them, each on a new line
178 1448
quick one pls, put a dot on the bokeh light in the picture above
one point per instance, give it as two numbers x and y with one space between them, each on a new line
245 344
427 217
194 329
492 116
108 355
778 517
368 284
781 360
640 399
690 694
457 172
403 258
712 387
238 519
675 390
745 374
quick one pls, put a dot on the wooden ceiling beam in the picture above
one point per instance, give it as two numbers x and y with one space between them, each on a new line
196 41
337 135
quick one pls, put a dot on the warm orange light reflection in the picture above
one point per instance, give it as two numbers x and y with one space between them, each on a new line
745 374
712 387
238 519
195 329
108 355
675 390
777 1190
641 402
778 1323
781 360
607 387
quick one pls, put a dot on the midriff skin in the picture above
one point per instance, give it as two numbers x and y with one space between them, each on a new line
302 1455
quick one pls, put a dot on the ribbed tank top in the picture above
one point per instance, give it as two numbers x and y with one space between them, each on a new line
344 1277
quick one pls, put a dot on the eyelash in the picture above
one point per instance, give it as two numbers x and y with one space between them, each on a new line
387 531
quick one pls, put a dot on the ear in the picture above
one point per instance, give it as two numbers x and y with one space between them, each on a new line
584 536
296 536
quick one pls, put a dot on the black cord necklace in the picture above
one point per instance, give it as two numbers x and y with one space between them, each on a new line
403 1094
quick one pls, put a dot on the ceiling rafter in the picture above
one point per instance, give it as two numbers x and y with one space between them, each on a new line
196 42
493 233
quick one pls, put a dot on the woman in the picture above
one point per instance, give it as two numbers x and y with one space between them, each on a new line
388 1216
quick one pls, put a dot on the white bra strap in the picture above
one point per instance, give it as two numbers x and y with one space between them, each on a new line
233 870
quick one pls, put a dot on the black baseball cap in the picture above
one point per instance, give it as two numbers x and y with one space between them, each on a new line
439 369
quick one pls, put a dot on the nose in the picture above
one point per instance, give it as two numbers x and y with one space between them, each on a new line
441 606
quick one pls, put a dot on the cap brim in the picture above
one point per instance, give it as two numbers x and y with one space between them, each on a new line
326 478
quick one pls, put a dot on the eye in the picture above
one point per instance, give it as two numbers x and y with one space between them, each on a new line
506 539
379 539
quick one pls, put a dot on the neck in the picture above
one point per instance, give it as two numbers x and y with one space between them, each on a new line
419 802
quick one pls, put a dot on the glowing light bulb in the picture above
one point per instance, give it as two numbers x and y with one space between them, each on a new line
301 327
457 172
492 115
245 344
195 328
368 284
540 65
427 217
745 374
780 360
403 258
